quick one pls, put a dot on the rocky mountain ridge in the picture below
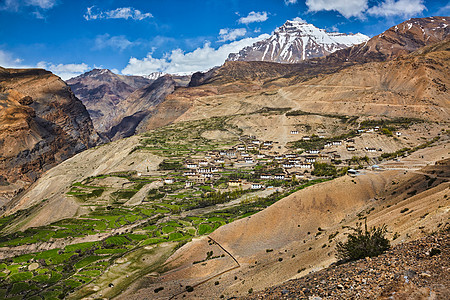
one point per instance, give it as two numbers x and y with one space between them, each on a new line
398 40
296 41
101 91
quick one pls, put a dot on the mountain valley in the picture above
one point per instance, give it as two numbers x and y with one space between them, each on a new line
234 182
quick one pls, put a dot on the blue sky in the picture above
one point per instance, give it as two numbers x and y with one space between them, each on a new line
174 36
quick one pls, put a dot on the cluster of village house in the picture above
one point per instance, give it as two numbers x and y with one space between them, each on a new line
251 151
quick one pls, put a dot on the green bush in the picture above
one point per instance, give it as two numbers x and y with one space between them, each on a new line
363 243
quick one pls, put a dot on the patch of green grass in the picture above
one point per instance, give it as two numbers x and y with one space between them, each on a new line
204 229
72 283
153 241
80 246
22 276
175 236
109 251
42 278
87 260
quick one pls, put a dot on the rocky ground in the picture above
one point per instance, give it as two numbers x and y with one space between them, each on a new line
414 270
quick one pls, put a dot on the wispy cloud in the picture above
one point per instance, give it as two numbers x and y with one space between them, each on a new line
92 13
404 8
15 5
119 42
287 2
227 34
179 62
254 17
36 8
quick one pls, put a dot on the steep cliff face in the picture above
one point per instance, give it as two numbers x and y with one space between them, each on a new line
296 41
41 124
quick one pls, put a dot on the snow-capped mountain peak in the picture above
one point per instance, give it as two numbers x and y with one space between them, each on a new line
295 41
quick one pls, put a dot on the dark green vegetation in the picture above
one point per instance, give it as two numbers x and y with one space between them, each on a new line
363 243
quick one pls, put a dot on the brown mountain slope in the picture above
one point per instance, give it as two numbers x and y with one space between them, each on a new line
297 234
414 81
41 124
414 86
137 107
398 40
407 271
101 91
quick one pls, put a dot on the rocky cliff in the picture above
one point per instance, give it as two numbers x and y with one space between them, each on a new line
41 124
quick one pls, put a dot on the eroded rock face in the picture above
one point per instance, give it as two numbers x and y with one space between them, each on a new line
41 124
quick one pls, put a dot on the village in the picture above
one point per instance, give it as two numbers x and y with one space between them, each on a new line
268 165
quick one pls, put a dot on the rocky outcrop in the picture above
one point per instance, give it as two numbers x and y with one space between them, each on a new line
41 124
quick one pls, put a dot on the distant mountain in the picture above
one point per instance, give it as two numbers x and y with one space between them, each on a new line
139 105
296 41
110 97
398 40
101 91
42 123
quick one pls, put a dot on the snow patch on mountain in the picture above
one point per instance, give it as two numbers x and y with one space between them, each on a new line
295 41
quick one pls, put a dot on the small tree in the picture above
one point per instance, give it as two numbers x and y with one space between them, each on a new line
363 243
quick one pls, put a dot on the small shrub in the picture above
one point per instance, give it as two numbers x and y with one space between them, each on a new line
363 243
404 210
434 251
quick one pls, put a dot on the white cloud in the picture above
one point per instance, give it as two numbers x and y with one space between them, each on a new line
254 17
116 42
287 2
119 13
404 8
227 34
178 62
347 8
298 19
65 71
7 60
